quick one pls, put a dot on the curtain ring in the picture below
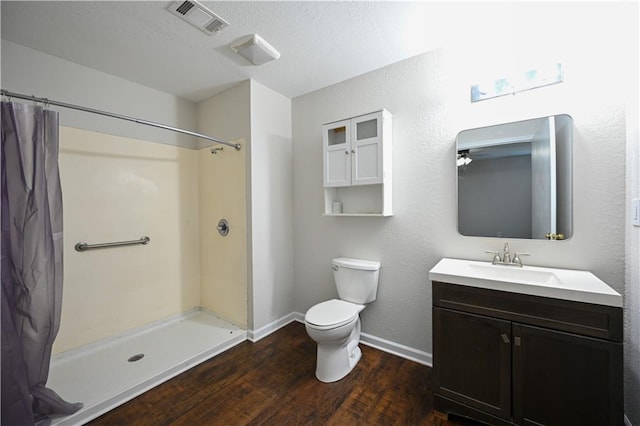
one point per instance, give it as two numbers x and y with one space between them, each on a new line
45 103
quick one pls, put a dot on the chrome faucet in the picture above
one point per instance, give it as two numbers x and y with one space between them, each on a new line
506 255
506 258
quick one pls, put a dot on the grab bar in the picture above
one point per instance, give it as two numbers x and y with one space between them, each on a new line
82 246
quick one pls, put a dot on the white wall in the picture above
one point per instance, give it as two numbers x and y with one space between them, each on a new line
31 72
429 98
271 206
632 273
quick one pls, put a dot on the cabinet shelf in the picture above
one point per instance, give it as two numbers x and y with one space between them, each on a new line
364 200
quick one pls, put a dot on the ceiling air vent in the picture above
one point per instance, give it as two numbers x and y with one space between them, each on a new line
198 16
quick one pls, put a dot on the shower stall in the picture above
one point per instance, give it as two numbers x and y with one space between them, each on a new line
175 293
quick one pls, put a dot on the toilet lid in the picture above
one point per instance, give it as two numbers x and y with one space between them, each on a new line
331 313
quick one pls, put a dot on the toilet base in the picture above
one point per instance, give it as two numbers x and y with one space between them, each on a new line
336 360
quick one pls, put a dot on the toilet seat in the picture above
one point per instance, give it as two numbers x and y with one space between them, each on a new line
332 314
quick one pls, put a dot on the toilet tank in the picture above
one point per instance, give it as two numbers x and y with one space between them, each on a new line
356 279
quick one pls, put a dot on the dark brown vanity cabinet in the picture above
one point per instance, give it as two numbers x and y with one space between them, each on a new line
507 358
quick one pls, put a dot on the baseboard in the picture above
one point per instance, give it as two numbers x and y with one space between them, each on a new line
397 349
388 346
264 331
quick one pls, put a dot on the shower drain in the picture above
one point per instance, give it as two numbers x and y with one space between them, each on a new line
136 357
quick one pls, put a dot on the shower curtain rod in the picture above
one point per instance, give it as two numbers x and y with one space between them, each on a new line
113 115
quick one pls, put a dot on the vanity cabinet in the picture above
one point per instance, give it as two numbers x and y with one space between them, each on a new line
507 358
357 164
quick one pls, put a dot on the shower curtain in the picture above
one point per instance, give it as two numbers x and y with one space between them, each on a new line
31 254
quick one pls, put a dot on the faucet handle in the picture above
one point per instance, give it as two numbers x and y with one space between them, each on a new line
516 258
496 256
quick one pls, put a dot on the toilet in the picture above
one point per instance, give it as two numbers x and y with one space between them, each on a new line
335 324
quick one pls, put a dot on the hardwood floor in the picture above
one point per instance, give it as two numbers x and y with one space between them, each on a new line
273 382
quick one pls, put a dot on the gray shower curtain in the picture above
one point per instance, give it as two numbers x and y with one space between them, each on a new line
31 255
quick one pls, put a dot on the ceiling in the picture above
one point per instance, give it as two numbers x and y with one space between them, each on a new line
321 43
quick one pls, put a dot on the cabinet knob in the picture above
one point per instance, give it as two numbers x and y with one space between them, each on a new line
505 338
353 151
347 152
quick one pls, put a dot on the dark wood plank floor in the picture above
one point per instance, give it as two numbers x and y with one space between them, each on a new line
272 382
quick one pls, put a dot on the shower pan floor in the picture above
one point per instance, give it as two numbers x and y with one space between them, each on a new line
101 376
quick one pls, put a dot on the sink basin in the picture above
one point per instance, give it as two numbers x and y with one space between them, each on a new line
567 284
508 273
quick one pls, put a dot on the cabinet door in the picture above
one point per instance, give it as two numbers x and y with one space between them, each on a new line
472 360
565 379
366 149
336 149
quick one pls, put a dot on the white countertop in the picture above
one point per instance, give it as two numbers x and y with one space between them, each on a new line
566 284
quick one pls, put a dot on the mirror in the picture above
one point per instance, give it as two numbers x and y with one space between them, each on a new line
515 179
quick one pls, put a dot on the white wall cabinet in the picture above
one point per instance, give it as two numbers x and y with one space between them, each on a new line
357 165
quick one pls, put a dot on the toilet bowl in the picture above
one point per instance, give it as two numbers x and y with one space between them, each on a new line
335 324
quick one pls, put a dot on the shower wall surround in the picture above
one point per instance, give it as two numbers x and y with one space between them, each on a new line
223 189
114 189
223 260
135 165
250 111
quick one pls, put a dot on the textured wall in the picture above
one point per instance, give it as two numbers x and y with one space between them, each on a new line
429 98
117 189
271 206
632 273
30 72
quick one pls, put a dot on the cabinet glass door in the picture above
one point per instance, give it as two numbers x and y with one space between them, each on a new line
337 154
